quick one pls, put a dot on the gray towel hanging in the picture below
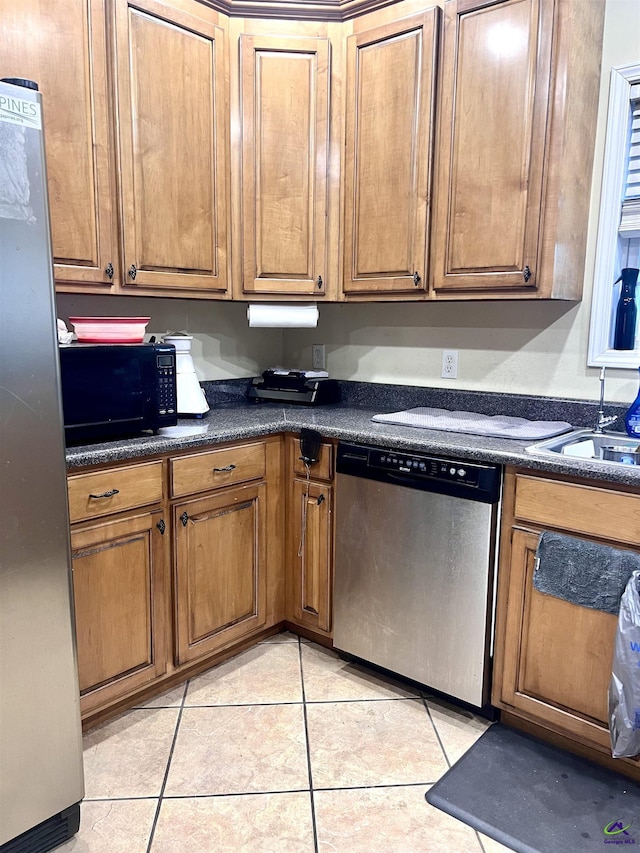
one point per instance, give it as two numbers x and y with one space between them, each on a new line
583 572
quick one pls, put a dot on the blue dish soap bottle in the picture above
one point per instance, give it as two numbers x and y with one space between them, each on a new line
632 418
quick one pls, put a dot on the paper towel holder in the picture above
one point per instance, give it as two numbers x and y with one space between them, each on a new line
282 315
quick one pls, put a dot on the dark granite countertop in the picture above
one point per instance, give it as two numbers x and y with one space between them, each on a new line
234 419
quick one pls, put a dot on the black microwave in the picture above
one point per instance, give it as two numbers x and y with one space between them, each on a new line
116 390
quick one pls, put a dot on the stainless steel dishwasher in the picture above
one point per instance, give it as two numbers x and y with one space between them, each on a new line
414 566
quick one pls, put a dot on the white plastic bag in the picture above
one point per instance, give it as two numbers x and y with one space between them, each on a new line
624 689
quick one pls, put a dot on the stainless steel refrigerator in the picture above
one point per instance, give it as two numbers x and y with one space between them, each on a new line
41 777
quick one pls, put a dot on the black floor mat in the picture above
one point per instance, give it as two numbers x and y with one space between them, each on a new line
535 798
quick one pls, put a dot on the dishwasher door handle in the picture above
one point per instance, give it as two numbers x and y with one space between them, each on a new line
409 480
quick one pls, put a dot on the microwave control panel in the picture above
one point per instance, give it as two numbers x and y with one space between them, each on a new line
167 397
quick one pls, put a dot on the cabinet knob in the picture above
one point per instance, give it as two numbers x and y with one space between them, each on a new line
133 272
527 274
416 279
320 499
184 518
226 468
161 526
109 270
108 494
320 282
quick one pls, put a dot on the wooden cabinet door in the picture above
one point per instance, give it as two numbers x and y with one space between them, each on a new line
285 124
389 103
62 47
492 126
557 656
310 551
170 68
120 605
220 570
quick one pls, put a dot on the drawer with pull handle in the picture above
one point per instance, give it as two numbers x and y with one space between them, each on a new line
117 489
322 469
578 508
217 468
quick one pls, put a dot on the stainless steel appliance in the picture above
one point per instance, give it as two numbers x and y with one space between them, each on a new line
111 390
415 539
41 777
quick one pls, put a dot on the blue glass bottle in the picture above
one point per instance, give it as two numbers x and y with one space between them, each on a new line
632 418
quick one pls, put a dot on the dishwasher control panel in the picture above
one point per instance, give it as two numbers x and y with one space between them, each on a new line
455 477
424 466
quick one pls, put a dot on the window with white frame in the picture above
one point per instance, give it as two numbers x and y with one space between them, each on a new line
618 244
630 219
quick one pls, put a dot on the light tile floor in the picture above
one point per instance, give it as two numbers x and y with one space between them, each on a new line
285 748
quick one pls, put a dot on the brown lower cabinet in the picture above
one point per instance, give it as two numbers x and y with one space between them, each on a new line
309 538
119 585
220 577
179 561
310 544
175 561
553 658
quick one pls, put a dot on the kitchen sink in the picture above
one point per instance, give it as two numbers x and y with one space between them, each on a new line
614 448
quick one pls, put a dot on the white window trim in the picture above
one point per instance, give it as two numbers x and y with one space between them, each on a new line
607 266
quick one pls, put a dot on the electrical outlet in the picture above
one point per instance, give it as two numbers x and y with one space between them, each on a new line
318 357
449 363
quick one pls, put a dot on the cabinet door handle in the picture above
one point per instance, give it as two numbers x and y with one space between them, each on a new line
184 518
108 494
109 270
226 468
161 526
527 274
320 283
416 279
133 272
320 499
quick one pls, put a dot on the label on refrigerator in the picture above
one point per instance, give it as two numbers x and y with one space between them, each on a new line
18 111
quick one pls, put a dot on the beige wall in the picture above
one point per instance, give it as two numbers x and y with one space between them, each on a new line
223 347
523 348
519 348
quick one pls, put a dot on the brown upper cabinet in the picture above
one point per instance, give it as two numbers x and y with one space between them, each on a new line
400 153
518 92
62 47
388 151
149 142
285 149
172 111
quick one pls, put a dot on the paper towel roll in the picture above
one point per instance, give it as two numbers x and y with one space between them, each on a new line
282 316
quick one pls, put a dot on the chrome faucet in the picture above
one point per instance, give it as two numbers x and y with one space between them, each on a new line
603 420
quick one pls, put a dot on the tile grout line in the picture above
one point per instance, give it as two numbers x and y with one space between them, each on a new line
264 793
166 772
234 794
245 704
482 847
272 704
437 733
306 737
446 758
369 699
381 785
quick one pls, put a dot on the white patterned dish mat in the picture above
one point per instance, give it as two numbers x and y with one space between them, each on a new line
499 426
